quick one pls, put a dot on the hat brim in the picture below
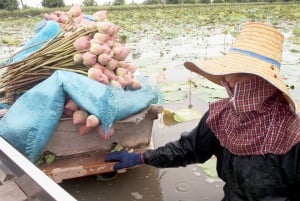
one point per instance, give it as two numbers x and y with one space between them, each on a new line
215 69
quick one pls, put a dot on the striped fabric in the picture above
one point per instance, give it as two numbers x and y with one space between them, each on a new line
254 120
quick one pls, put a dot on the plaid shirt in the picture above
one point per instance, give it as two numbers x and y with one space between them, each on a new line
254 120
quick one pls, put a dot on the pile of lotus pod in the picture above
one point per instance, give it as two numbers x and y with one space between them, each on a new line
87 45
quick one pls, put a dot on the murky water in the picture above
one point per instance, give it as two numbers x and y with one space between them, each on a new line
165 58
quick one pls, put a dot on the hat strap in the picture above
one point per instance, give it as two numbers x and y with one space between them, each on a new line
258 56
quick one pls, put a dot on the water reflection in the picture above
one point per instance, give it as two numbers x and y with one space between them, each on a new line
135 184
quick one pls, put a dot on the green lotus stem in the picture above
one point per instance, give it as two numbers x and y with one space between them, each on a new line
56 54
66 69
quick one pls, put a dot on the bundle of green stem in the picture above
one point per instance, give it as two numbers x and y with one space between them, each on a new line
56 54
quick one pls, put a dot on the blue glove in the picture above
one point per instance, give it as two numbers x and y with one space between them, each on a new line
125 159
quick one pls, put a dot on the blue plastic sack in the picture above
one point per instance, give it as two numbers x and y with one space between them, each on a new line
45 31
32 119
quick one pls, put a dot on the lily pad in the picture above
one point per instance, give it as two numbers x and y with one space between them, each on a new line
179 116
10 41
168 117
187 114
209 167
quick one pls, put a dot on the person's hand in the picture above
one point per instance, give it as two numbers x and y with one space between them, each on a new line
125 159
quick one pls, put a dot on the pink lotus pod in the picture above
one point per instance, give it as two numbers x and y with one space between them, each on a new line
117 50
129 78
103 59
122 81
131 67
84 130
115 83
88 25
118 45
89 59
111 65
52 17
68 113
78 58
75 11
82 43
136 84
92 121
92 25
109 43
116 28
98 75
104 26
107 50
105 135
101 36
103 79
63 19
113 38
93 73
110 74
99 66
121 71
70 108
123 64
123 54
96 49
79 19
3 112
113 30
100 16
96 41
79 117
71 105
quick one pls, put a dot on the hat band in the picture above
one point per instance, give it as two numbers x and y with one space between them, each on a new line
255 55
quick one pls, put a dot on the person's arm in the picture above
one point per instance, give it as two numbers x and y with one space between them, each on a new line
196 146
290 163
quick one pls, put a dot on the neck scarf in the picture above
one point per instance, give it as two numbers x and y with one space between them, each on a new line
254 120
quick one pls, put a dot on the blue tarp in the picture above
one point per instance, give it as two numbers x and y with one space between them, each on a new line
45 32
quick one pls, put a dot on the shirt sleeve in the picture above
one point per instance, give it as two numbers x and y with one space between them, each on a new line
290 163
196 146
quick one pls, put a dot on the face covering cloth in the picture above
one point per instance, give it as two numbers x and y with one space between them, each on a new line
254 119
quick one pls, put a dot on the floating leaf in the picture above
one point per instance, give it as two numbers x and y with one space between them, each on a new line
187 114
49 158
168 117
209 167
174 96
116 147
10 41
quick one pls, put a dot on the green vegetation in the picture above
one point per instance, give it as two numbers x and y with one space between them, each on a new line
9 4
89 3
53 3
221 11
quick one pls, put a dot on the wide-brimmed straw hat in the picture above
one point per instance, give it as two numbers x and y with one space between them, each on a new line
257 50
